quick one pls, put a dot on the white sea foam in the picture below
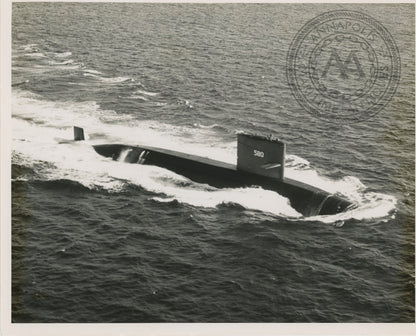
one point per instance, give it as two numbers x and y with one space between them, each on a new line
36 54
29 47
369 204
54 114
163 200
205 126
89 74
66 67
63 54
147 93
92 71
70 61
110 80
138 97
40 123
299 169
115 79
124 154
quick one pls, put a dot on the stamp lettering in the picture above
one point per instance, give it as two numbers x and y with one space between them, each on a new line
342 59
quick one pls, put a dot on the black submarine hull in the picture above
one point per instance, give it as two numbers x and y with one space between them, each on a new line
304 198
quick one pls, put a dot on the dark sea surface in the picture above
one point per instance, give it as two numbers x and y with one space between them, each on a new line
96 240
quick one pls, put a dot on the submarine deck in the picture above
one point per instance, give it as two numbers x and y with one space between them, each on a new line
219 164
192 157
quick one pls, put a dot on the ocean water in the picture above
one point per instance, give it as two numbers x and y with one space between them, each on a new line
96 240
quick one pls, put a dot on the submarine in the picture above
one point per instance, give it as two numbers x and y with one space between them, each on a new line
260 163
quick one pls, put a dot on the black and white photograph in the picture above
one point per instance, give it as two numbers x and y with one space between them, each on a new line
205 163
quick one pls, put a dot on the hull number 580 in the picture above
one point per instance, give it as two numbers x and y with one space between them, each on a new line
258 153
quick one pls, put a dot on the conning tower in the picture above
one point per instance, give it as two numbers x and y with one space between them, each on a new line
260 155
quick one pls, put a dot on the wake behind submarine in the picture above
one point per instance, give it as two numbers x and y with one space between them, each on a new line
260 162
